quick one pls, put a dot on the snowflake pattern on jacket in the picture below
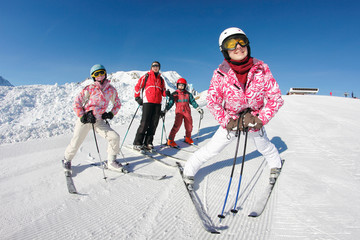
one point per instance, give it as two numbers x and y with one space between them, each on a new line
97 97
226 98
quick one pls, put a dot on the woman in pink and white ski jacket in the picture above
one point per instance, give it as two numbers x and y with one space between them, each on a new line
226 98
241 86
90 106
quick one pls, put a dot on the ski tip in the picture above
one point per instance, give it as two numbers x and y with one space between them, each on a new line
253 214
234 211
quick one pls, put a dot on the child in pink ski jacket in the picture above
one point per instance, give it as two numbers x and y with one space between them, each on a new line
90 106
242 94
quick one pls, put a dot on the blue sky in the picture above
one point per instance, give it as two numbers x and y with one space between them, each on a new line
305 43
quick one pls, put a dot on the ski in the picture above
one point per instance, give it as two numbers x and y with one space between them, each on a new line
151 156
263 200
167 155
70 183
177 148
201 213
131 173
192 144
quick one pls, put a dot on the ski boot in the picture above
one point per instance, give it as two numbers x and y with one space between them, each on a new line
149 148
67 167
189 181
188 140
172 143
274 174
138 148
112 164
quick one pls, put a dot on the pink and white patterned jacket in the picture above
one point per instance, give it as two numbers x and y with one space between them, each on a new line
97 97
226 97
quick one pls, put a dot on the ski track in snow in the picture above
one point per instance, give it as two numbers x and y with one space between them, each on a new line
315 198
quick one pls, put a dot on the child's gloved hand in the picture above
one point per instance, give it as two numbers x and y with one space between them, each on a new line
200 110
107 115
162 113
88 117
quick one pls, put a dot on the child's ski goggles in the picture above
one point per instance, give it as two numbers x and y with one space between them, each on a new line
98 73
230 44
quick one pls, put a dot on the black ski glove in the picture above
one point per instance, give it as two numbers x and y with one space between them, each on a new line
107 115
162 114
200 110
139 100
88 117
168 93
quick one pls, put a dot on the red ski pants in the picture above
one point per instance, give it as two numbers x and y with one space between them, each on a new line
177 124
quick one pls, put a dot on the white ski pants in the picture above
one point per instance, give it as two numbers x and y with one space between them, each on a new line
81 131
220 140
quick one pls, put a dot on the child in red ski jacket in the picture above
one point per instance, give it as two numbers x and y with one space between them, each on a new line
183 99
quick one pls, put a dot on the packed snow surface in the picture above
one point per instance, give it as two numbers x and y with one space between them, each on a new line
316 197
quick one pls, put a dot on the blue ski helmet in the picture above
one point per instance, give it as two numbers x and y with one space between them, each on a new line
96 67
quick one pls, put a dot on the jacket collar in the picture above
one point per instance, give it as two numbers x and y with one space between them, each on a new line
151 72
224 67
102 86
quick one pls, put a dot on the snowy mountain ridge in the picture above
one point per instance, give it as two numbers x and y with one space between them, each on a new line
40 111
4 82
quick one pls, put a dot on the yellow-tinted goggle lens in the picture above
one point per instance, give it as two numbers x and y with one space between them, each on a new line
231 43
99 72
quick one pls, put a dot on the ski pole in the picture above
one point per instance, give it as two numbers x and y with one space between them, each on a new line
129 127
163 128
201 117
241 171
232 171
126 163
97 147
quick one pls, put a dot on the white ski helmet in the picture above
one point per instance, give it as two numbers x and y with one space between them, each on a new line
228 33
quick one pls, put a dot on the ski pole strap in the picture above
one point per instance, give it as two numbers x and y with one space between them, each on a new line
238 131
242 114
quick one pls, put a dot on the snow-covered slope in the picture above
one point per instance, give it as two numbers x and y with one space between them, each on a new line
39 111
316 196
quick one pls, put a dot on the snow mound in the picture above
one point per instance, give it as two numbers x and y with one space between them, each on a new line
41 111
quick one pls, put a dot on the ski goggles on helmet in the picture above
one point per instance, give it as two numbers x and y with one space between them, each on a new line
230 44
97 73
